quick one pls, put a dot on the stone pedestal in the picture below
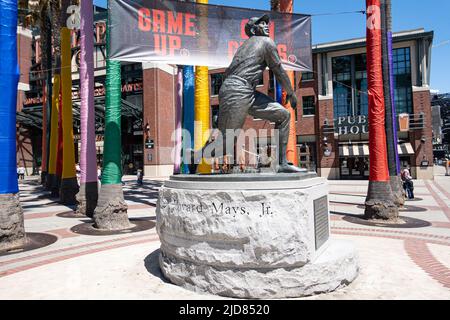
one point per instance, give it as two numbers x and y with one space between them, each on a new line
251 236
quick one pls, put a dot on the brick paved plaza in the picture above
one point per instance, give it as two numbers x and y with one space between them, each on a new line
396 263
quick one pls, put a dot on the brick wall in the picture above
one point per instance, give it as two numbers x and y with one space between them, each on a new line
326 112
424 150
159 113
24 54
24 137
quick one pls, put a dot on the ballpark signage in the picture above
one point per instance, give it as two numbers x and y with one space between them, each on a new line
351 125
188 33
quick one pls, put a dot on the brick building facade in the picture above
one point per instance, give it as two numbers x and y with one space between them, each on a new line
333 94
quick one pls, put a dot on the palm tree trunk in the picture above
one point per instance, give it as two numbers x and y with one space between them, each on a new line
202 111
12 231
42 9
54 134
69 184
49 92
88 195
178 121
188 114
286 6
55 9
111 211
46 51
379 202
391 130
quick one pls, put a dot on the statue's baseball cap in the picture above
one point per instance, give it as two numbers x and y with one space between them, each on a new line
255 21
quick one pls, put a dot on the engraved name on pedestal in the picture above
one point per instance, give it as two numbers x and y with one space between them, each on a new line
233 209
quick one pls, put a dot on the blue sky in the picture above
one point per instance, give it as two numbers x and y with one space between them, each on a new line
432 15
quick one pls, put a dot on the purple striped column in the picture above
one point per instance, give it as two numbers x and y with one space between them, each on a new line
88 195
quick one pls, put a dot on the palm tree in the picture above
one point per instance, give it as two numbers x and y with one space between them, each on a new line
202 111
46 65
54 133
178 121
111 211
34 13
188 113
379 202
286 6
69 184
88 195
12 231
55 173
391 128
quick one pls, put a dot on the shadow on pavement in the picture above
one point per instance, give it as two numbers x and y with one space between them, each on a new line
402 222
151 263
34 241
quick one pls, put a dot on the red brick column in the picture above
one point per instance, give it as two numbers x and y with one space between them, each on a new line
159 114
329 166
423 149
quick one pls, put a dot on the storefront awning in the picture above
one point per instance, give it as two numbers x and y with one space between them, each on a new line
362 150
355 150
405 149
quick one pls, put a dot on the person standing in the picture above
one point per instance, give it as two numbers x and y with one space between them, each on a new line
99 173
447 165
21 172
140 177
408 184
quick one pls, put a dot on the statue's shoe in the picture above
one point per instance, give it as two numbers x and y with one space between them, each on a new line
287 168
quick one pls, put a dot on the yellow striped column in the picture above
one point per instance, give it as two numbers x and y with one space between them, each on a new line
54 126
202 105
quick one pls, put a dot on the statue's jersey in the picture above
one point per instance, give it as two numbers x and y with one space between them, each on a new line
252 58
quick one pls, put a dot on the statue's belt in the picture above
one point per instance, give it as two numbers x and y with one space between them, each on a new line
245 81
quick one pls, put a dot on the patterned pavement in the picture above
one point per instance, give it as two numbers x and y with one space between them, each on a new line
395 263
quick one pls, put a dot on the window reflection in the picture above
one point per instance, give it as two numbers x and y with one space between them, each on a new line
350 83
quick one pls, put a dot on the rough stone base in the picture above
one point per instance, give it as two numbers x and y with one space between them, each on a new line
336 267
12 231
87 199
251 235
111 211
397 191
379 202
68 191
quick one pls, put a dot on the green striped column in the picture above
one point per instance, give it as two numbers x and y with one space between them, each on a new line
111 211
